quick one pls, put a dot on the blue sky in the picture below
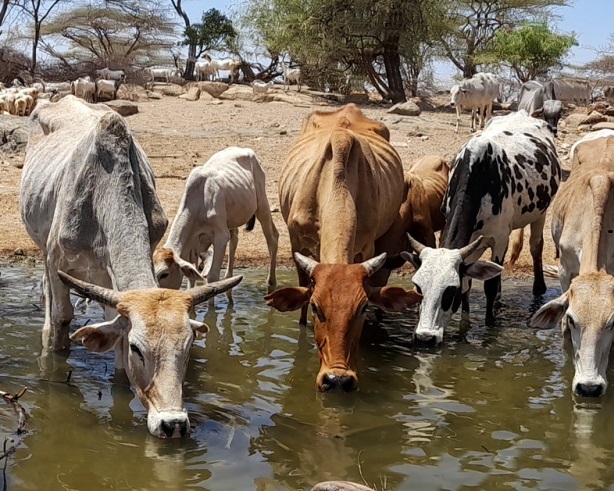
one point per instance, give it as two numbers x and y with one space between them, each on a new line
592 20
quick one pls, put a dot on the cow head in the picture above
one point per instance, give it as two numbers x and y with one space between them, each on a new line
170 268
551 113
439 278
585 313
155 332
456 94
339 296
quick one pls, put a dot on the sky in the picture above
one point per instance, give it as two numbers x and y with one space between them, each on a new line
591 20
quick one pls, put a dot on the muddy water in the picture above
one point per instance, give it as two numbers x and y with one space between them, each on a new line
491 410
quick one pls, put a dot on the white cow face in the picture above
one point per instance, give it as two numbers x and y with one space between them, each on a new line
586 314
155 332
439 280
456 94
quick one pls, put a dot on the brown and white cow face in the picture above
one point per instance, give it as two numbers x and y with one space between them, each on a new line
339 296
586 314
170 268
155 332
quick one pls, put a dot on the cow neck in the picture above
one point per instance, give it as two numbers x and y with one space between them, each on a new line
463 197
182 235
337 225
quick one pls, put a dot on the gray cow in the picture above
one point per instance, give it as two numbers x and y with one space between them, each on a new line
539 100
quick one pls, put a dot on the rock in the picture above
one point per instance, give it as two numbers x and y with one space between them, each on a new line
153 95
594 118
193 94
274 209
205 96
131 92
573 120
283 132
340 486
408 108
584 127
123 108
356 98
20 136
238 93
216 102
424 138
603 126
214 89
13 132
600 107
173 90
609 111
19 252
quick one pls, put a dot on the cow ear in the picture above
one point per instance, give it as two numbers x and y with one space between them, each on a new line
483 270
412 258
199 327
288 299
187 268
101 338
550 314
393 298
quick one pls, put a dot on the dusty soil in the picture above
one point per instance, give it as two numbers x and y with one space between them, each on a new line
178 135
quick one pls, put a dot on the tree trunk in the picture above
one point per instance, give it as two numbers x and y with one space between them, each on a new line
392 63
35 41
188 73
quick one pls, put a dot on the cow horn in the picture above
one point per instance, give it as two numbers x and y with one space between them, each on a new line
415 245
469 249
200 294
305 263
374 264
94 292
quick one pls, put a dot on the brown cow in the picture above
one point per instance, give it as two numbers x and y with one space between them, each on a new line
420 213
582 224
340 189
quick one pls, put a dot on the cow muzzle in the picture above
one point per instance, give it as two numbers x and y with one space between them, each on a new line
171 424
337 381
428 337
592 388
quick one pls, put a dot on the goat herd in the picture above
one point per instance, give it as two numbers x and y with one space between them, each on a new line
88 200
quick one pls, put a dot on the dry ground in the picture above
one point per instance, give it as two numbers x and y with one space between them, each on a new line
178 135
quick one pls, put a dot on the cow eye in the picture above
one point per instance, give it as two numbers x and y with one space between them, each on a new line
448 297
570 322
135 349
161 276
317 312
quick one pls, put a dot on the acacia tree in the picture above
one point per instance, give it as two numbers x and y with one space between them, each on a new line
213 32
530 51
471 26
108 33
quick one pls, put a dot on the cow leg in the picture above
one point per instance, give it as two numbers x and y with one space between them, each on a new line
492 287
220 239
263 214
58 298
232 249
473 118
47 298
465 296
458 117
536 244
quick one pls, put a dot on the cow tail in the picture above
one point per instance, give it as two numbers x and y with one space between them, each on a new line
517 243
250 224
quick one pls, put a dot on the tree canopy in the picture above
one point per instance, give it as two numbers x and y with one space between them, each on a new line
530 50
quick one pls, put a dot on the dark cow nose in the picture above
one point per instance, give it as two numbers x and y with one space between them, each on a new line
425 339
345 383
170 427
589 390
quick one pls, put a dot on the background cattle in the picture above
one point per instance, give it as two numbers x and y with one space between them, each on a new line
539 100
476 94
572 90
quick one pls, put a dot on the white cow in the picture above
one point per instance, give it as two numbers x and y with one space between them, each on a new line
260 87
85 89
291 75
106 89
226 192
108 74
227 64
571 90
204 70
88 200
477 94
165 74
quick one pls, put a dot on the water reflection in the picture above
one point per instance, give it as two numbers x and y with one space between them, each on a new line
491 409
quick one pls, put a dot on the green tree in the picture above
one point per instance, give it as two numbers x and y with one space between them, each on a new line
214 32
530 50
471 26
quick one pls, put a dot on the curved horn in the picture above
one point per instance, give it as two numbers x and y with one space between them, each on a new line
200 294
305 263
94 292
466 251
374 264
415 245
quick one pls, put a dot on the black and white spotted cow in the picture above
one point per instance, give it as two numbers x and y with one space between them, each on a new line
501 180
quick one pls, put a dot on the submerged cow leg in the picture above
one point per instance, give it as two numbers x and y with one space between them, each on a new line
61 312
536 243
492 287
465 297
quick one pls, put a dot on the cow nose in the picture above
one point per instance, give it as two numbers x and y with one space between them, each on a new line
589 390
425 339
345 383
175 428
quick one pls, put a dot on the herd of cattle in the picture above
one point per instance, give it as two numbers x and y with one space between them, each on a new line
88 200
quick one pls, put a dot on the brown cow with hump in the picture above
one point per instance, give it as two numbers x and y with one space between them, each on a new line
340 190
